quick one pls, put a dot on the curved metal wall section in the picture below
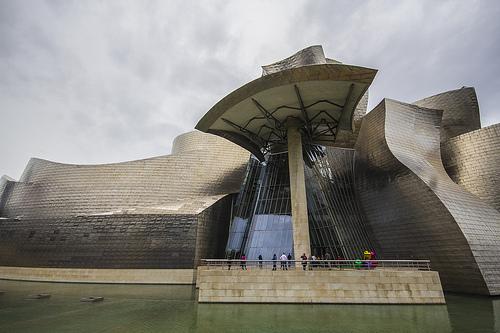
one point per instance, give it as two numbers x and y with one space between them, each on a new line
414 208
186 182
162 212
116 241
460 111
473 161
5 185
196 141
347 139
311 55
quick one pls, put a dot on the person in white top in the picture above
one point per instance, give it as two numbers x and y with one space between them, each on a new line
283 259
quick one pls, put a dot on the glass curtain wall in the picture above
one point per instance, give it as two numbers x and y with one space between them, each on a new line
336 222
270 229
262 222
244 209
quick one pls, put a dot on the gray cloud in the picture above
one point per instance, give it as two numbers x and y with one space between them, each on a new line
98 82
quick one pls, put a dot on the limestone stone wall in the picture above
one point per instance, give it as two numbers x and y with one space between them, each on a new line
95 275
379 286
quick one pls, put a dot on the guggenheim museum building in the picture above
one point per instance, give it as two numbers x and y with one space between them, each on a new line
290 162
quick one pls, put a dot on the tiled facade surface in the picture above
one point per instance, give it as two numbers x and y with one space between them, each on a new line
347 139
378 286
186 182
197 142
415 209
163 212
212 228
460 111
312 55
319 92
99 275
116 241
113 241
473 161
4 183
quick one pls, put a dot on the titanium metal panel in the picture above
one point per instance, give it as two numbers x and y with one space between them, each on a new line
162 212
473 161
415 210
116 241
460 111
312 55
321 93
201 170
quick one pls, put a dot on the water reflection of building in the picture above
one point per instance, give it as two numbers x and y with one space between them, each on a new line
409 181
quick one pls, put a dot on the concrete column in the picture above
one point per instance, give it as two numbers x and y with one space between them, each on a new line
300 223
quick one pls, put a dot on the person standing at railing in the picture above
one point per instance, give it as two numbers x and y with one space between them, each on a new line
304 261
367 256
243 262
283 259
274 261
289 257
260 261
328 257
374 262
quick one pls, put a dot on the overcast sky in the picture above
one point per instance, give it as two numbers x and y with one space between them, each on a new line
97 82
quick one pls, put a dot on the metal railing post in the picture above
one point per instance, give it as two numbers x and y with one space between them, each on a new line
316 264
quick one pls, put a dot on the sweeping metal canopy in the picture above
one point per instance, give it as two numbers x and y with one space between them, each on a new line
321 96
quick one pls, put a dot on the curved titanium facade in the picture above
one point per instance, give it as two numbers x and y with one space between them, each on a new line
312 55
116 241
410 181
162 212
473 161
460 111
319 93
202 168
347 139
4 183
415 210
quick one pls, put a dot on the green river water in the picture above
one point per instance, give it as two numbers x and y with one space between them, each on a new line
162 308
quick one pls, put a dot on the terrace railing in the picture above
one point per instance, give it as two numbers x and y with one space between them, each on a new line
229 264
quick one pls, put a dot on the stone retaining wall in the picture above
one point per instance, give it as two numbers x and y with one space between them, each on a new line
91 275
382 286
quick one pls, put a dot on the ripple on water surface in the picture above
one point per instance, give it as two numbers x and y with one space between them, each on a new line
154 308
